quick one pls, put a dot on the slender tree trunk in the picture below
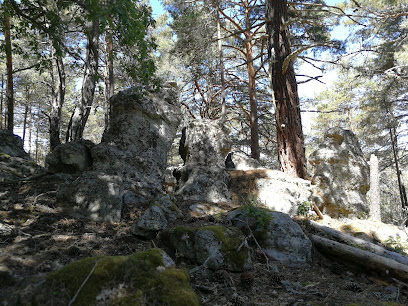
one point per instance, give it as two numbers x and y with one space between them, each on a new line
222 73
375 208
109 80
255 151
1 101
30 129
9 64
291 151
394 144
26 113
81 113
58 98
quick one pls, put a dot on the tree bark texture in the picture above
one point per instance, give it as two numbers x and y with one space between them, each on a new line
291 151
375 208
1 101
9 64
255 151
109 80
222 73
57 103
80 115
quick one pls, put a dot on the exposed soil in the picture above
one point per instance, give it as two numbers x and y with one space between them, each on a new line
36 237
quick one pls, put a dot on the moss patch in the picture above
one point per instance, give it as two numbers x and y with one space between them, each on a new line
142 275
231 239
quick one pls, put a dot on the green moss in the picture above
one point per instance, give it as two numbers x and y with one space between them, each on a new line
138 271
179 240
231 239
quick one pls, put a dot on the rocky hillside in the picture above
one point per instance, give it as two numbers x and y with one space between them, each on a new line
97 228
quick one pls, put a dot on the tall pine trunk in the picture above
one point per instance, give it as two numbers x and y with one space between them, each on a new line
109 80
1 101
255 151
291 151
9 64
222 73
58 98
80 115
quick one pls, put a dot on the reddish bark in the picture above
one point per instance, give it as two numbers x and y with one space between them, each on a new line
292 158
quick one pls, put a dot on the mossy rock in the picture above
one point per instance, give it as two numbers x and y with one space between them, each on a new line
234 255
216 246
139 279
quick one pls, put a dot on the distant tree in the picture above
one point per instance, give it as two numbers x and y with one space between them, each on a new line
9 63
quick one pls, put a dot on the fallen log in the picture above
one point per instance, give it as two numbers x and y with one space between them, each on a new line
353 241
362 258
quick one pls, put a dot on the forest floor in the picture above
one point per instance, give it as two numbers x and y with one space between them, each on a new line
35 238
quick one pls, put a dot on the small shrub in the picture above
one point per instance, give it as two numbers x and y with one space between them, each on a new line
260 216
304 209
397 244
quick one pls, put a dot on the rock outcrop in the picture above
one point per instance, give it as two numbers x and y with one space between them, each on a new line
280 237
273 189
15 163
203 147
129 163
341 174
70 157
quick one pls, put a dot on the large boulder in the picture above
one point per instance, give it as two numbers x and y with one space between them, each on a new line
143 124
213 246
145 278
15 163
273 189
280 237
341 173
70 157
12 145
203 147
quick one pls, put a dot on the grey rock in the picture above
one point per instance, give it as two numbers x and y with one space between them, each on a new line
156 218
209 184
205 209
15 163
273 189
282 239
152 221
131 199
143 124
213 247
168 205
341 174
94 195
217 247
203 146
205 142
286 242
71 157
240 161
12 145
